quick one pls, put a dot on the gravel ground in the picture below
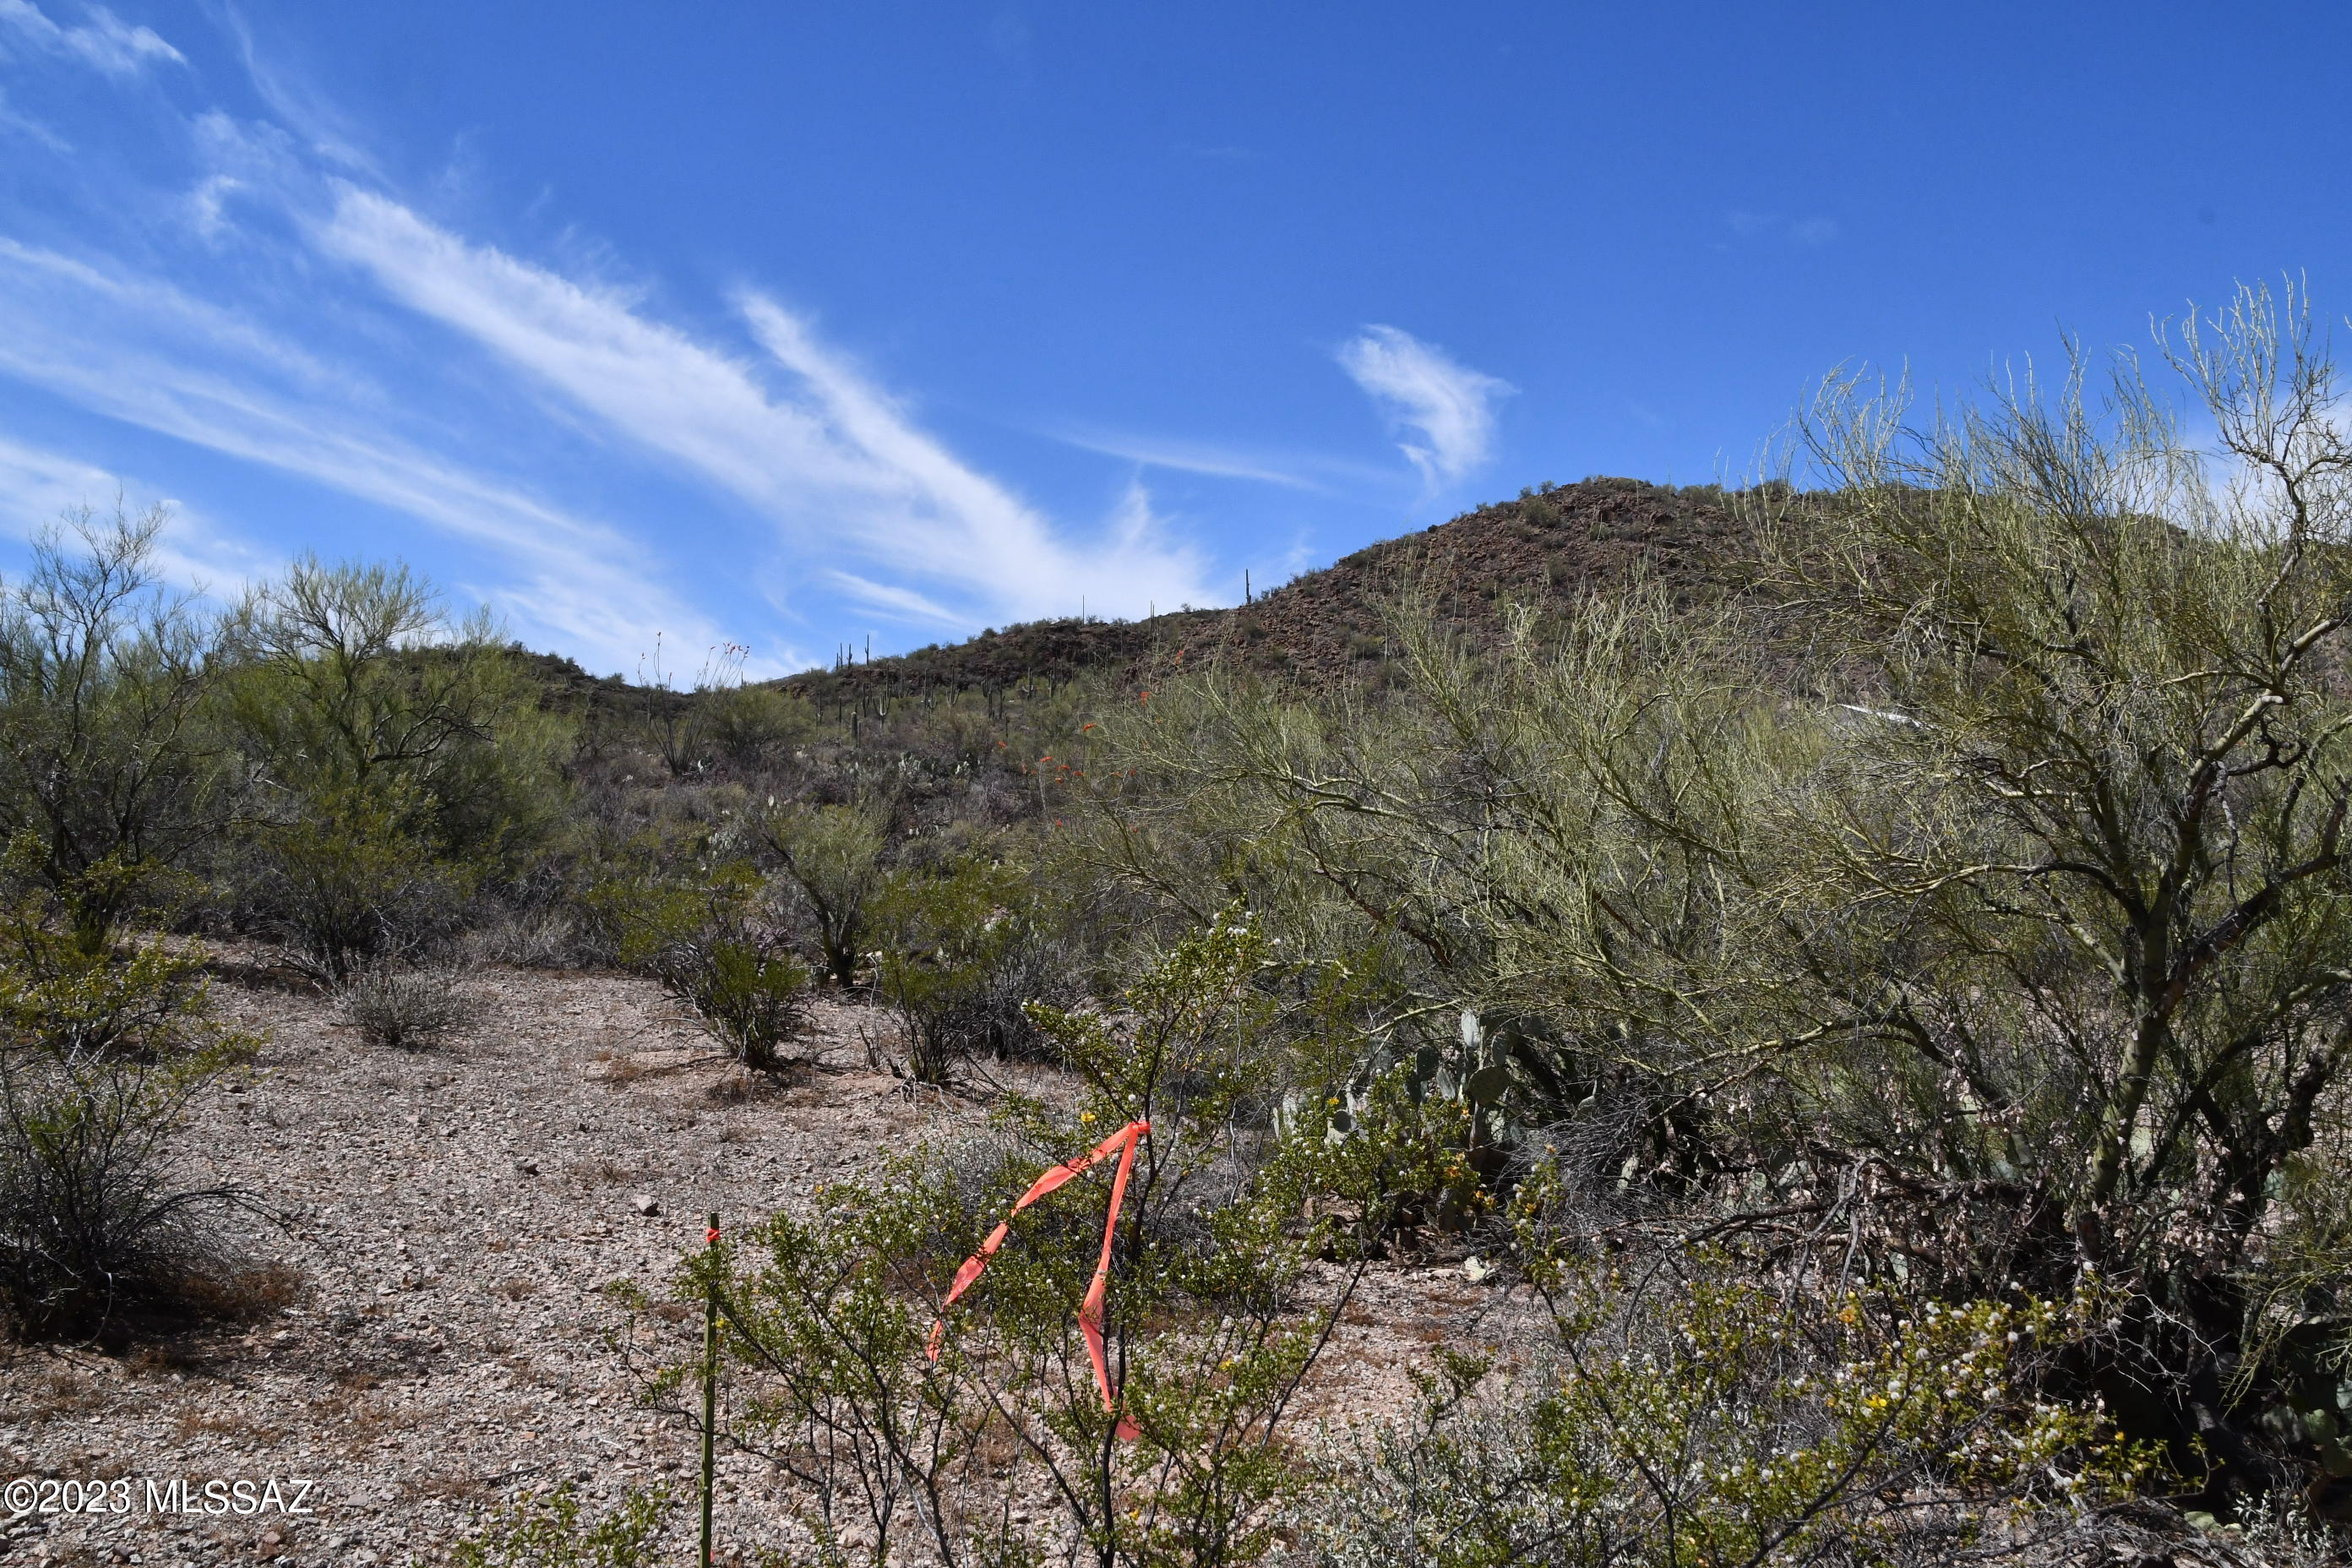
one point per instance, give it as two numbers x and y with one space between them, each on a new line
450 1215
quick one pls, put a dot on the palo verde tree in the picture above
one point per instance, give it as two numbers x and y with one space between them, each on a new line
1983 863
398 757
2086 829
355 684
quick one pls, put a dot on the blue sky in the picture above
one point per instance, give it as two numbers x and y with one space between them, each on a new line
791 326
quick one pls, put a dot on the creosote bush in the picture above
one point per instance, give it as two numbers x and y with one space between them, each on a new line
831 859
548 1529
350 881
1214 1314
967 949
94 1222
99 1056
708 940
61 997
753 999
1699 1416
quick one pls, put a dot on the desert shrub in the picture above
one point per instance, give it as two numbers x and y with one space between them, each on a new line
348 878
547 1530
752 997
943 1010
93 1220
400 1007
706 937
677 726
756 726
1216 1311
638 908
832 861
646 862
126 1006
1700 1415
352 684
966 948
106 762
548 936
1990 842
2286 1531
99 1062
59 996
2296 1364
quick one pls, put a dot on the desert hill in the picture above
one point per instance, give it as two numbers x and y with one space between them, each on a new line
1549 544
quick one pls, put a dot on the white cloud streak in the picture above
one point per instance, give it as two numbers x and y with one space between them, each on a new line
141 352
105 42
896 603
1186 456
300 106
1448 406
839 466
273 358
26 125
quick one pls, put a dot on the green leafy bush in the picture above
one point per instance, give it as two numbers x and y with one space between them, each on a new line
704 940
1702 1418
831 860
1215 1310
547 1530
967 949
107 765
59 996
752 998
99 1060
350 879
638 912
351 683
751 727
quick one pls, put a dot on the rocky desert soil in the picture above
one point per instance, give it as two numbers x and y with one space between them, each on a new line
449 1217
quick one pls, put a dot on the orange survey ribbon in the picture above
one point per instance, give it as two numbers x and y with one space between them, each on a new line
1090 1311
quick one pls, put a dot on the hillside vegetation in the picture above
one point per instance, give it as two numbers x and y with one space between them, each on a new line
1550 546
1863 965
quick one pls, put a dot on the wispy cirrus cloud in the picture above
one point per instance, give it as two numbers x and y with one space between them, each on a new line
260 289
1448 407
105 41
301 109
140 351
23 124
837 464
893 600
1313 472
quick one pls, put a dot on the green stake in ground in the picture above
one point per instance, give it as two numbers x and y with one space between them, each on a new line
710 1390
